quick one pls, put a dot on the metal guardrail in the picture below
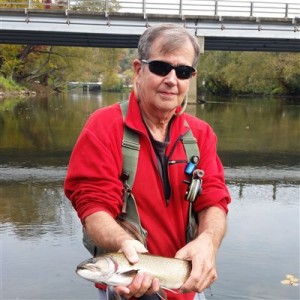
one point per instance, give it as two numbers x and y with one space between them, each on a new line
181 8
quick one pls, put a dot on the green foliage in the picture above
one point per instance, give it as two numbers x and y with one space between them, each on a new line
127 57
13 4
9 60
9 85
53 67
109 60
210 74
128 78
219 72
249 73
112 83
113 5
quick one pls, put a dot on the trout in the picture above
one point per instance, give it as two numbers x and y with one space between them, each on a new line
113 269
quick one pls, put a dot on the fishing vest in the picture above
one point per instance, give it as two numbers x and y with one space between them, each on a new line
129 217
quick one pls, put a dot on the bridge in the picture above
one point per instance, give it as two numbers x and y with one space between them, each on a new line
258 25
86 86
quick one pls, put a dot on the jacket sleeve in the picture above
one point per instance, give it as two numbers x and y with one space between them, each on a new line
92 183
214 191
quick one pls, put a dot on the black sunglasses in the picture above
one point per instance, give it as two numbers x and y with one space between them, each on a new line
162 68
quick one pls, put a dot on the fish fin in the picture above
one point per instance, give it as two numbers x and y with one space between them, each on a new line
129 273
111 294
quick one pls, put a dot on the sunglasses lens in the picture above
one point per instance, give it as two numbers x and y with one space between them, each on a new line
184 72
162 68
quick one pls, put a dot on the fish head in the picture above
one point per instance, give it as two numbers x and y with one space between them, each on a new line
110 269
97 270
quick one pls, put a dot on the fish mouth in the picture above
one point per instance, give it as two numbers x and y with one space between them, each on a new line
81 268
104 266
87 265
91 268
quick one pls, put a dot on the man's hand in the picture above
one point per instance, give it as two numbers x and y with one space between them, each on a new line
143 283
131 248
203 249
202 255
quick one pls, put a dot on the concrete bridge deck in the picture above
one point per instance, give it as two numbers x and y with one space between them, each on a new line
224 25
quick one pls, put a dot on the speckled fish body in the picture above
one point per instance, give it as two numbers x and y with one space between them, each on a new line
114 269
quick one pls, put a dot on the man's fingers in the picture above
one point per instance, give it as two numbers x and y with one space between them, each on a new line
143 283
131 248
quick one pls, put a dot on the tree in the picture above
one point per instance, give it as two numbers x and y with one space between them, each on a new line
9 60
110 63
287 67
250 72
113 5
55 66
211 72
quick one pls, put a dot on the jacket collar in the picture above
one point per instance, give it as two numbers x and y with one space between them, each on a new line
134 120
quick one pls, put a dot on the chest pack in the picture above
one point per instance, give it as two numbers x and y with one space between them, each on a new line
129 217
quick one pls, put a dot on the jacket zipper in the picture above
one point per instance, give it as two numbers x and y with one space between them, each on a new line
179 161
172 162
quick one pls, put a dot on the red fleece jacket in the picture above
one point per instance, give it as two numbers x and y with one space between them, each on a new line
92 183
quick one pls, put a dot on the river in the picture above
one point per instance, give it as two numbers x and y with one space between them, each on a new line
258 142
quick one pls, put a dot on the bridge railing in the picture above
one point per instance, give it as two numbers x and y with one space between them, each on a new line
243 8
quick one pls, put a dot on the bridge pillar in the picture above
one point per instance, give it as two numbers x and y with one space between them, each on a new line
192 94
201 41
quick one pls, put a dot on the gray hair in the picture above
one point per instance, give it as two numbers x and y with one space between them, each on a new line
174 37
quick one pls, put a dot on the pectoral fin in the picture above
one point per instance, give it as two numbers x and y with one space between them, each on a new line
130 273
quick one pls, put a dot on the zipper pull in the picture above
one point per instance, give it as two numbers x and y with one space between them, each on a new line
180 161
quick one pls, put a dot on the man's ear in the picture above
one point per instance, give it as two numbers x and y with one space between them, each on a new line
137 66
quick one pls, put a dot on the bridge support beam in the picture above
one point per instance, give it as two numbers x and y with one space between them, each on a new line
201 41
192 94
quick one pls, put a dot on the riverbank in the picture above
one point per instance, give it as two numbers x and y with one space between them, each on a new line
21 93
38 89
10 88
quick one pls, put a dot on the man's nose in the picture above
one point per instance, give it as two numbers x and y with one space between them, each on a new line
171 77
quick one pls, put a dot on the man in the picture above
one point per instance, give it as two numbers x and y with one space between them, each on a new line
168 55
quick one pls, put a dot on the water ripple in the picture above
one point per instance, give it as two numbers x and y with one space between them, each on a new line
44 174
242 174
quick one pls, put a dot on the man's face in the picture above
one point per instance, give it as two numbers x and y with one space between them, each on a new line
163 94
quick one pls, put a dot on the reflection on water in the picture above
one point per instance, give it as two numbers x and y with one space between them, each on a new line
251 131
262 244
41 234
40 244
34 209
41 239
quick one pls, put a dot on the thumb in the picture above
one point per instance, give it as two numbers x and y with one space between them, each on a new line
181 254
131 248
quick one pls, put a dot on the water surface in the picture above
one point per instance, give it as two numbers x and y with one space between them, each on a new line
41 234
